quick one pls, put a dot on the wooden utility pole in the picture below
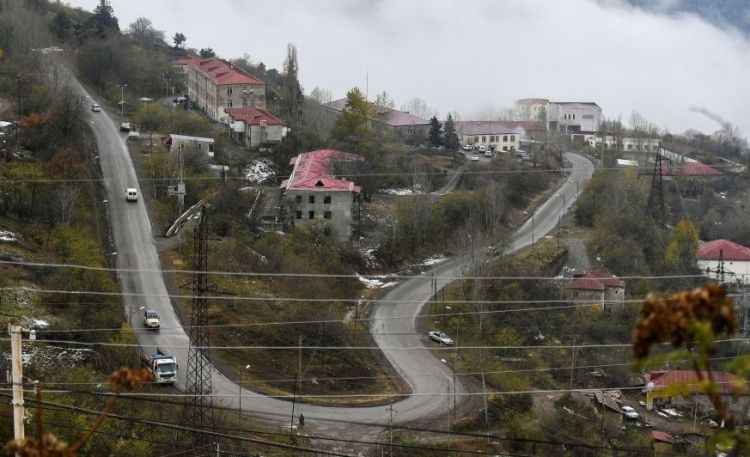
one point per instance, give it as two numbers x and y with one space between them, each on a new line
299 367
17 373
390 430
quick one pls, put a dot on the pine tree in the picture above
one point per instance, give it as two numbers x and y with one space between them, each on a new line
450 137
435 135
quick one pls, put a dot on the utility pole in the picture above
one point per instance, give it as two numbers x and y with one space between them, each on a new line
572 364
17 373
299 367
455 359
390 430
291 422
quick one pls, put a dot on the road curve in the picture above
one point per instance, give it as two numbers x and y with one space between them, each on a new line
429 378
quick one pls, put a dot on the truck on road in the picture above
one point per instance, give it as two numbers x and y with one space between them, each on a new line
161 365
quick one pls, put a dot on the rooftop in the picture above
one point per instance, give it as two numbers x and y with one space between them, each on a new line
594 279
689 168
218 70
662 437
174 136
495 127
531 101
394 117
713 250
689 380
253 116
312 170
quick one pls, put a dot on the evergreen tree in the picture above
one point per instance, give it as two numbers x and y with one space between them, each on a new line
291 90
450 138
351 130
206 53
103 20
435 135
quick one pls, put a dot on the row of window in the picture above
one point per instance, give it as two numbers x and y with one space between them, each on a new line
496 138
311 215
311 199
569 116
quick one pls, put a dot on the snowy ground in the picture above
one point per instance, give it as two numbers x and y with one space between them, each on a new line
8 237
259 171
376 282
434 260
400 192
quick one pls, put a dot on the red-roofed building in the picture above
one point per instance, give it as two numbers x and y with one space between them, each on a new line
312 192
254 127
597 286
411 128
215 84
717 255
669 386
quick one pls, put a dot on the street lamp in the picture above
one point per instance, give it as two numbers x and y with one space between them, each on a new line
131 312
239 394
122 99
445 308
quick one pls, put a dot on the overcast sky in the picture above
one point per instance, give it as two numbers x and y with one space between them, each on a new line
478 56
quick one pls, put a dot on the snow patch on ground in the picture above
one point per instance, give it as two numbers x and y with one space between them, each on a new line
434 260
8 236
373 283
259 171
371 260
48 357
400 192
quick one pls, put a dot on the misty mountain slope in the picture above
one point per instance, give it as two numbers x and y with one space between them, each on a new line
735 13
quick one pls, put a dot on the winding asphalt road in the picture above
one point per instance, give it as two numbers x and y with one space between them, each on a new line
393 325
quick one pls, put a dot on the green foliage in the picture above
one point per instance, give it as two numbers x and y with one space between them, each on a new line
435 134
205 53
291 91
351 130
682 245
451 137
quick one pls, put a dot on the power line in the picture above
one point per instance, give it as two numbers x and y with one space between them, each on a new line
322 275
395 426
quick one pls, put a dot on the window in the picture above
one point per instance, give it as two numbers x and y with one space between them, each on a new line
299 215
229 103
311 200
229 90
505 138
505 148
298 199
484 138
512 138
326 214
311 214
327 199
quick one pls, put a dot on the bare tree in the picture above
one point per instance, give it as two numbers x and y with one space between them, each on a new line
321 95
67 200
143 33
418 107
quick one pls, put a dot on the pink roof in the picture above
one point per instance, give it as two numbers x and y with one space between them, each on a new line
663 379
693 168
395 118
219 71
531 101
594 279
312 171
712 250
253 116
663 437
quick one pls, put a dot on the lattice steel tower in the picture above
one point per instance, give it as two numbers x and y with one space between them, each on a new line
198 411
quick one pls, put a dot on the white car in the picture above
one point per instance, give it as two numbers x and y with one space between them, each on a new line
629 412
151 319
488 154
125 127
133 135
131 194
475 158
482 148
467 147
96 108
440 337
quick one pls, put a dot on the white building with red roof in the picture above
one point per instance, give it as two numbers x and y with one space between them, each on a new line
215 84
724 255
254 127
596 286
314 193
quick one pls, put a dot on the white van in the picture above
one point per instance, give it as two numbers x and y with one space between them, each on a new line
131 194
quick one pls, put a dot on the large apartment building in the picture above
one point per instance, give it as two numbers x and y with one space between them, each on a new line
214 85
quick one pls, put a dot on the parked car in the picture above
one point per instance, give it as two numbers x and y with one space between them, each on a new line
96 108
475 158
125 127
440 337
133 135
488 153
482 148
629 412
468 147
